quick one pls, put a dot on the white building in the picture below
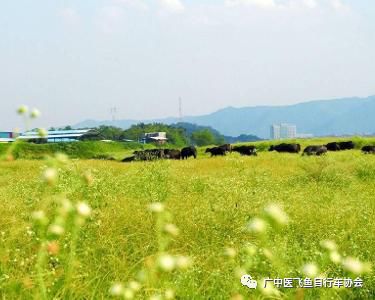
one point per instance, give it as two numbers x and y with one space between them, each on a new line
158 137
275 132
283 131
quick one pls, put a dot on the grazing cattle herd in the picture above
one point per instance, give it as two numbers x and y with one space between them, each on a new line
248 150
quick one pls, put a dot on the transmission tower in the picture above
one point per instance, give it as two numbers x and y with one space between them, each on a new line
113 112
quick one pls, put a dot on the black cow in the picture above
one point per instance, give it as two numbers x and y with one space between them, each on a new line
289 148
334 146
368 149
172 153
215 151
226 147
315 150
149 154
348 145
245 150
188 151
129 159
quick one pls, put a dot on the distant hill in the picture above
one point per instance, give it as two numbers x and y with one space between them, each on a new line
324 117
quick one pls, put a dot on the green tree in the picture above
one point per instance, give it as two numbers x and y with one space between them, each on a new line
111 133
203 137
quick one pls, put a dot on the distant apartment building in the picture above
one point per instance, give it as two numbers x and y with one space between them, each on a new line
283 131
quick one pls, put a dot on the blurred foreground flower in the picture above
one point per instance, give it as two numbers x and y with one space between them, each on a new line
166 262
135 285
83 209
40 217
171 229
22 110
53 248
230 252
42 132
328 244
183 262
169 294
257 225
269 290
34 113
50 175
156 207
117 289
310 270
355 266
56 229
276 214
335 257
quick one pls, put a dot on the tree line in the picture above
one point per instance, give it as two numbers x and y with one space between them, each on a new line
179 134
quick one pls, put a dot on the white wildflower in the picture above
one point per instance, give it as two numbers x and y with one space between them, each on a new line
56 229
276 214
128 293
166 262
169 294
135 285
329 245
40 217
171 229
335 257
50 175
83 209
66 206
183 262
269 290
310 270
355 266
117 289
156 207
230 252
257 225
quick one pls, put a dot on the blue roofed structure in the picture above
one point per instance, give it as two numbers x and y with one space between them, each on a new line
7 136
58 136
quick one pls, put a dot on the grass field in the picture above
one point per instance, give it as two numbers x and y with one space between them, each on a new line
274 215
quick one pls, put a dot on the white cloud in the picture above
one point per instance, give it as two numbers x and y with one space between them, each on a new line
108 18
137 4
339 5
70 16
172 6
257 3
310 3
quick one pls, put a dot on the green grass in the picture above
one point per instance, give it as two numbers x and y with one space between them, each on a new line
210 200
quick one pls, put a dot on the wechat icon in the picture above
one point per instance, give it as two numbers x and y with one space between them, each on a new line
247 280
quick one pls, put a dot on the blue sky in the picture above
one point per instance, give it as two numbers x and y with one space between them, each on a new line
75 59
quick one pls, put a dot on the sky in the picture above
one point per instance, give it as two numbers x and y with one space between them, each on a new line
74 60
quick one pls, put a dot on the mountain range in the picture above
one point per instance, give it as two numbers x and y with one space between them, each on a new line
345 116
